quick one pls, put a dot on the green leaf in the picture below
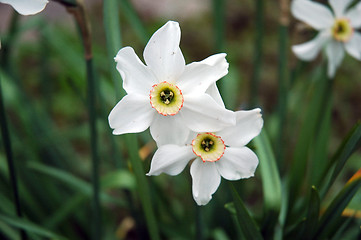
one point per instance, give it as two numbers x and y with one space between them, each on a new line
230 207
319 157
72 181
348 146
30 227
119 179
142 186
269 172
328 221
8 231
128 10
312 214
313 115
246 222
65 210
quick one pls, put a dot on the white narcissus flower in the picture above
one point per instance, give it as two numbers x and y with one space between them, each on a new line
216 154
167 95
336 30
27 7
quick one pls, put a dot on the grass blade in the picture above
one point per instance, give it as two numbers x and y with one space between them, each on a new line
246 222
271 183
78 184
112 34
271 179
113 38
312 214
348 146
10 161
133 18
30 227
320 98
329 219
142 186
258 52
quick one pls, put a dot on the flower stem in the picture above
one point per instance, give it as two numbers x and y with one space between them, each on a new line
282 77
80 17
258 52
113 37
10 161
199 223
94 148
218 11
143 187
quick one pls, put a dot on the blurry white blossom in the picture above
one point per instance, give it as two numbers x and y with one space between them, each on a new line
27 7
336 30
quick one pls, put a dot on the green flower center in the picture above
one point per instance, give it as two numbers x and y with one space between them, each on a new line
342 30
166 98
208 146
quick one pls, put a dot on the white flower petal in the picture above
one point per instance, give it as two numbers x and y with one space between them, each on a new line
335 53
248 125
353 46
203 114
169 130
198 76
163 55
132 114
339 6
313 13
205 180
27 7
354 15
309 50
137 78
237 163
170 159
214 93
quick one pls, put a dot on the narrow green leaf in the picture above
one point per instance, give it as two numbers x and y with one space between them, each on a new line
271 183
134 20
30 227
219 23
283 82
142 186
333 212
348 146
113 38
319 155
312 214
72 181
258 51
230 207
8 231
230 87
119 179
246 222
269 172
67 209
315 112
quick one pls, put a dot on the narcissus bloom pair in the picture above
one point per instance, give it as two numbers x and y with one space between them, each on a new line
179 101
27 7
217 154
336 30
